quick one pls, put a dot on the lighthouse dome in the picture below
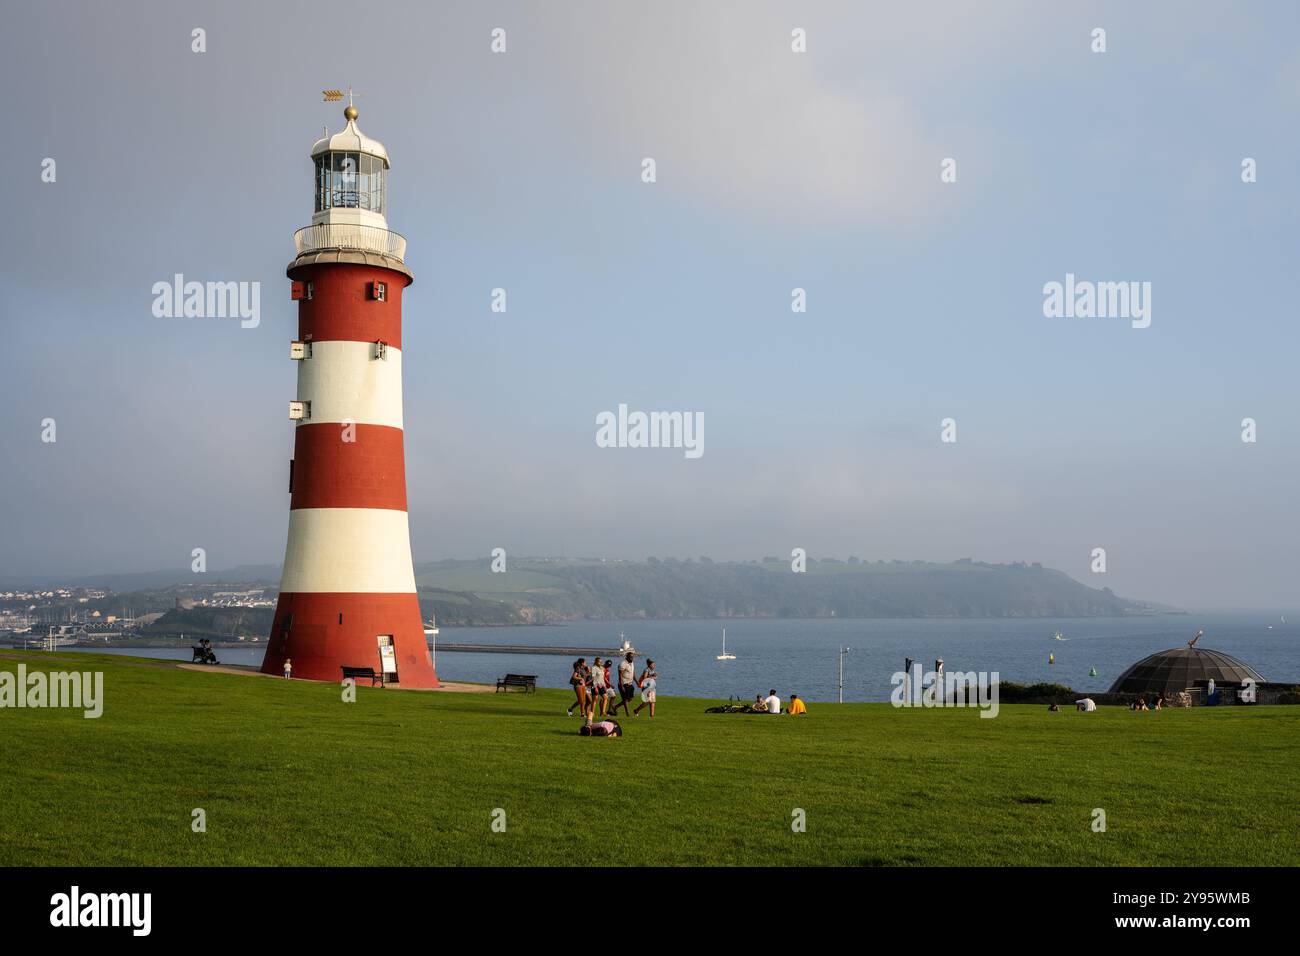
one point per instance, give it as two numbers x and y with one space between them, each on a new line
350 139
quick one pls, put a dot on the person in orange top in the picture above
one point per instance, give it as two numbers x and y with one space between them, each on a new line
796 705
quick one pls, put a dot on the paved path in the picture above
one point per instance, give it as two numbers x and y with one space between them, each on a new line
242 670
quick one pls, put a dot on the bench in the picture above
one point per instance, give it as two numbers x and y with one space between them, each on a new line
527 681
364 673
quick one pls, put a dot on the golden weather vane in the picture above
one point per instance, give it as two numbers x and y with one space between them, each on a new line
333 96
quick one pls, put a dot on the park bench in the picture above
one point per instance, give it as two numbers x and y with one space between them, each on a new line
364 673
527 681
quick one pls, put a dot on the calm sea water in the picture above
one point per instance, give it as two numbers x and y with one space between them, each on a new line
802 656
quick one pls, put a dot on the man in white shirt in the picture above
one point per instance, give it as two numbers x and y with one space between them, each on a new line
626 682
773 702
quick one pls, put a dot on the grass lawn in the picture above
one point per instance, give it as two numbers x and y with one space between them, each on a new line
289 774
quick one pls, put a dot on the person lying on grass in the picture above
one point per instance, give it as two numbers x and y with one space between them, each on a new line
603 728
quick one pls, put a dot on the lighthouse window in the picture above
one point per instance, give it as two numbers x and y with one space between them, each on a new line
343 180
349 181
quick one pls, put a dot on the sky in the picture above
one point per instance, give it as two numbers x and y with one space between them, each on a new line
775 170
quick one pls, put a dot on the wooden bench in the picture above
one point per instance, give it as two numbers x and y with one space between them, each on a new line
527 681
366 673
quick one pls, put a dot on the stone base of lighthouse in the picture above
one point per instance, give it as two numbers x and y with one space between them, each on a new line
323 632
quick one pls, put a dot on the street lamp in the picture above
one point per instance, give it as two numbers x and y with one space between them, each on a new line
843 651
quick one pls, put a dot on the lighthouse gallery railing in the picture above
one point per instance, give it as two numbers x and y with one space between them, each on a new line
336 235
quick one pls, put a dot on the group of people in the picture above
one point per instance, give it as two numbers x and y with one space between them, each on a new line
1088 705
598 692
771 704
1141 703
204 653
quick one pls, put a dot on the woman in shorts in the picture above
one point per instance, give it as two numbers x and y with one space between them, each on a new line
579 681
649 679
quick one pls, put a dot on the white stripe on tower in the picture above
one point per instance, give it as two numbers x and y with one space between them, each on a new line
344 381
348 550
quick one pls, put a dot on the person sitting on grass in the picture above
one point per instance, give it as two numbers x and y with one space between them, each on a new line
796 706
603 728
759 706
773 702
1053 707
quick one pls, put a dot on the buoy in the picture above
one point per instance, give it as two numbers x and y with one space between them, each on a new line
1051 658
1092 672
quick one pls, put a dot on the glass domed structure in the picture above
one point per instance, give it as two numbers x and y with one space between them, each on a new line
1182 667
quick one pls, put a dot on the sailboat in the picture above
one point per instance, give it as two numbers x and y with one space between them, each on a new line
1059 637
724 656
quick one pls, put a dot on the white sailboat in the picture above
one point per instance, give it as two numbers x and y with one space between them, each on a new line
724 656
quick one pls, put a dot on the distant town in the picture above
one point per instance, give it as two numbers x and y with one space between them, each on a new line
72 616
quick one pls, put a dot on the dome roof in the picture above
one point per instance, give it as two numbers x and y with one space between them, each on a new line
1181 667
350 140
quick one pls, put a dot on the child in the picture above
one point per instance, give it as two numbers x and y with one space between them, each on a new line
288 668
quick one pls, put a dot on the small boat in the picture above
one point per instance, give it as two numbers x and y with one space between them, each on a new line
626 647
1059 637
724 656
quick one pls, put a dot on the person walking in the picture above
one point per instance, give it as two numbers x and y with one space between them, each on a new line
579 682
626 684
598 688
649 680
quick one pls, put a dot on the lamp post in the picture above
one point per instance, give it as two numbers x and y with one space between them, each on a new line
843 651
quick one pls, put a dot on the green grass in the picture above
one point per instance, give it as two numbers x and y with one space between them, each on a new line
289 774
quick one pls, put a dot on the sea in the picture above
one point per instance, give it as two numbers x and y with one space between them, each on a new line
804 656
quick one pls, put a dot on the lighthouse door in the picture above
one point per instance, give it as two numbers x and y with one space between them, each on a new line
388 658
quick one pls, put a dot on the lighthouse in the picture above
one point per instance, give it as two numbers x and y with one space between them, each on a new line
348 595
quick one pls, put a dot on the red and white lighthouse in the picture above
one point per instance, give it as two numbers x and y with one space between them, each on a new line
348 595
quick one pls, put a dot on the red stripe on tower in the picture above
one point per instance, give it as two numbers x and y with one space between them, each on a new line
348 595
